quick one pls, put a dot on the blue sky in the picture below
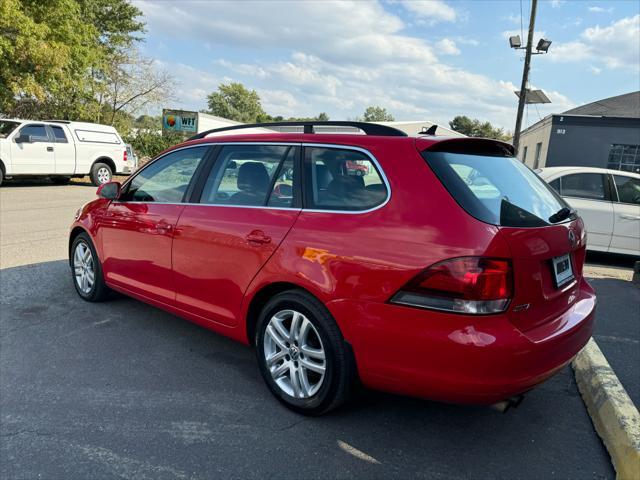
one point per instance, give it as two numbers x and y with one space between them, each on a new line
422 60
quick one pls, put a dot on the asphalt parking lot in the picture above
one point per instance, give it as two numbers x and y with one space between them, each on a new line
124 390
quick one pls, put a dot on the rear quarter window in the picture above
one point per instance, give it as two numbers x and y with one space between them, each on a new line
342 179
94 136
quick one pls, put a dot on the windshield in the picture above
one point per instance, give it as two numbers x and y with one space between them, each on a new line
7 127
497 190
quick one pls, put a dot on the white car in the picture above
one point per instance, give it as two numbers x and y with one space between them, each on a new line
607 200
61 150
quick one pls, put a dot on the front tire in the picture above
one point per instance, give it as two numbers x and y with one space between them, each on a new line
86 270
101 173
302 354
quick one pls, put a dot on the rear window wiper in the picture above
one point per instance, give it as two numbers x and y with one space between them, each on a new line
561 215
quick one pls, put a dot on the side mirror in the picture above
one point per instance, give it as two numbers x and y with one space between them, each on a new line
109 190
24 139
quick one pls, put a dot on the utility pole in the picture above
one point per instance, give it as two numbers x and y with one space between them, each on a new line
525 76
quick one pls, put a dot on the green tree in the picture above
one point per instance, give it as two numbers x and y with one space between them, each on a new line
53 54
477 128
377 114
117 22
150 142
235 102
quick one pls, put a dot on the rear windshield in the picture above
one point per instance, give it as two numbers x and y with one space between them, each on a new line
7 127
496 190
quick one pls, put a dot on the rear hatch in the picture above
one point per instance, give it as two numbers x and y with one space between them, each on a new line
547 266
545 236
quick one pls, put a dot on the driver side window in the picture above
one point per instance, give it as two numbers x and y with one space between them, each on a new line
165 180
38 133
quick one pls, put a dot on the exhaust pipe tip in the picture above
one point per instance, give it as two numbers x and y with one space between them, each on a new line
506 404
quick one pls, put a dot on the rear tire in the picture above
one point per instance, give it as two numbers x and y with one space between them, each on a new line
307 366
101 173
86 270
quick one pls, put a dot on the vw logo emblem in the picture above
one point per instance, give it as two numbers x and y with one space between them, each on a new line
294 352
572 238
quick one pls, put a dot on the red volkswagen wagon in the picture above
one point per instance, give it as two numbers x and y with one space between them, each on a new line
447 271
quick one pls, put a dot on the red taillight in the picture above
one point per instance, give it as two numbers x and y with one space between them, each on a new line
124 156
465 285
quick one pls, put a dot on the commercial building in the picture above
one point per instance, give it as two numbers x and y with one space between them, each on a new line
605 134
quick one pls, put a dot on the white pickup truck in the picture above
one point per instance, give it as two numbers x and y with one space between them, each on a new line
61 150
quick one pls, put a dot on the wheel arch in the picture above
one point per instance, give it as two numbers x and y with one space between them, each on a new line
261 297
106 160
75 231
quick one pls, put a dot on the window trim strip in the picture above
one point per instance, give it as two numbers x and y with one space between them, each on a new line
299 144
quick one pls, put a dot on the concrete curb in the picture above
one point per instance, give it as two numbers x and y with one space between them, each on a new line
614 415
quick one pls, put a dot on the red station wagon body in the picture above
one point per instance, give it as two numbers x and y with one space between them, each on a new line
213 265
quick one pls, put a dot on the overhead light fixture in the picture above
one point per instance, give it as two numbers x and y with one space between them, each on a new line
515 42
534 96
543 45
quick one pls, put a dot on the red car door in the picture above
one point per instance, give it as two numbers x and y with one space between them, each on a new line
137 230
247 206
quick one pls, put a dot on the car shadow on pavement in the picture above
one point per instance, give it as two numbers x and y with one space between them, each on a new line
124 389
611 259
44 182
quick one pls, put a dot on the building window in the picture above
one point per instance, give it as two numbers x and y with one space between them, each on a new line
524 155
624 157
536 161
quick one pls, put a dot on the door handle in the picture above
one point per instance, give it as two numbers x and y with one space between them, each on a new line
259 237
630 217
49 149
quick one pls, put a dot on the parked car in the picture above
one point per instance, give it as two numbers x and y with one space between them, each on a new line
61 150
423 282
607 200
355 168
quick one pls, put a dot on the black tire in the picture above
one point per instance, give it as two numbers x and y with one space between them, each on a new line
99 290
1 176
60 180
99 169
339 376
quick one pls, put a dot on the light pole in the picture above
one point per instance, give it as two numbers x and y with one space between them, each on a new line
542 47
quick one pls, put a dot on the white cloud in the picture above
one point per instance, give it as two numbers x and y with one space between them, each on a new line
557 3
536 34
243 68
432 10
512 18
616 46
279 102
308 57
447 46
466 41
600 9
595 70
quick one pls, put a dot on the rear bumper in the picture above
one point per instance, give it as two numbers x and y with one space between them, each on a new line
459 358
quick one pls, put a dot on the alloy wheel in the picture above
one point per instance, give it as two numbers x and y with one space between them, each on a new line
104 175
294 354
83 268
